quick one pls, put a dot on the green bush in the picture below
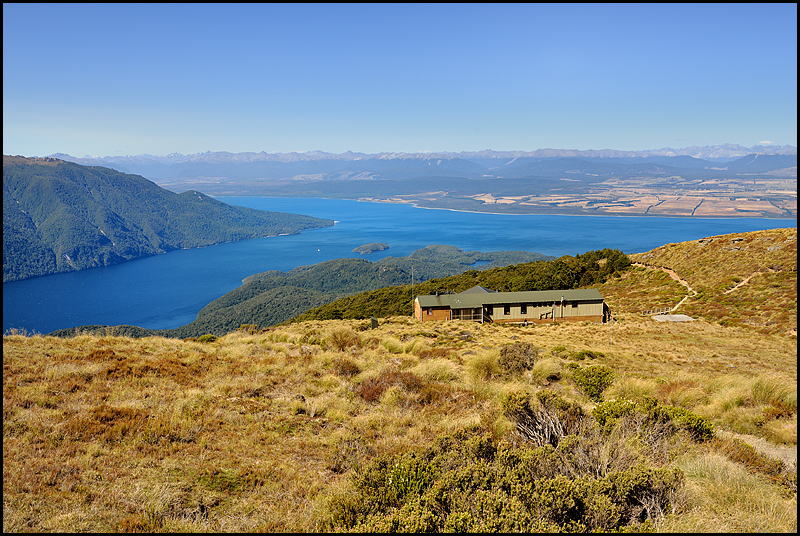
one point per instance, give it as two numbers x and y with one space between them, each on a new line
699 428
516 404
587 354
593 380
467 482
207 338
607 413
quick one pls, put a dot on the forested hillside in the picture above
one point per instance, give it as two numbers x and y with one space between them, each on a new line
59 216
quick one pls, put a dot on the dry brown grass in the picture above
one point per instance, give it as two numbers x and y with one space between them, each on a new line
246 433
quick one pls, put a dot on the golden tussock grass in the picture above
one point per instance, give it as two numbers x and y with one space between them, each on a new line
722 496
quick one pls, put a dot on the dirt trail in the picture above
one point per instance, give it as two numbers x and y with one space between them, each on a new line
747 279
674 276
669 272
786 453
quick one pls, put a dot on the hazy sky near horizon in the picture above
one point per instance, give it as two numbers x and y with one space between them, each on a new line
117 79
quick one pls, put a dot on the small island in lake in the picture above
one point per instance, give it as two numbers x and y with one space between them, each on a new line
366 249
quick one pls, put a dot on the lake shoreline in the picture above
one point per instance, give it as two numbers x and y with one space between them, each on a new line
416 204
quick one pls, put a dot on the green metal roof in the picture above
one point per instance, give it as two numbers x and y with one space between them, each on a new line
473 298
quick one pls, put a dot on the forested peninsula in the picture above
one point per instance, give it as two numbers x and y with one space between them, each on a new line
59 216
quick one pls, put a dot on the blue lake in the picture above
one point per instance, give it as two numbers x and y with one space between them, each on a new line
167 291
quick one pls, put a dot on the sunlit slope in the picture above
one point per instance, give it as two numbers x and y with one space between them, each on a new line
747 279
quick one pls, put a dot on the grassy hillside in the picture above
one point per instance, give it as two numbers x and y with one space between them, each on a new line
330 425
743 279
59 216
277 431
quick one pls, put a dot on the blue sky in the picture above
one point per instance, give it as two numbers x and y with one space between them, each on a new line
106 80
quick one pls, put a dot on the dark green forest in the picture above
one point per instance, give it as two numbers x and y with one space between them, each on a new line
59 216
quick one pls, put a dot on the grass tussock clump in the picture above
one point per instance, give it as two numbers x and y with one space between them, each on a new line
483 367
342 338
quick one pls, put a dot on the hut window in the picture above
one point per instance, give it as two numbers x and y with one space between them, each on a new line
523 309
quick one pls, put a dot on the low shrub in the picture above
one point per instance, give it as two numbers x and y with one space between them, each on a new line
345 367
699 428
517 357
468 482
607 413
433 392
593 380
208 337
432 353
371 389
545 423
587 354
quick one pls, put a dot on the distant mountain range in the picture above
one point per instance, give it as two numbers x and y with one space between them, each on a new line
59 216
725 151
177 172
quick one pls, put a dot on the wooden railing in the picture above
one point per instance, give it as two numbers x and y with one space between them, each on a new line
659 311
